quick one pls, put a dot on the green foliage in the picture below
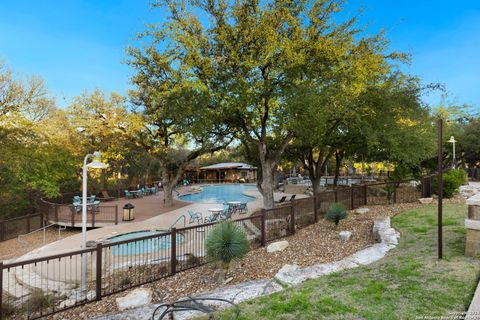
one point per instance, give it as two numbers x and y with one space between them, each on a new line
336 213
452 180
226 242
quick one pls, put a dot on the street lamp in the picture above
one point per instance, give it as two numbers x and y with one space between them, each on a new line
95 164
452 141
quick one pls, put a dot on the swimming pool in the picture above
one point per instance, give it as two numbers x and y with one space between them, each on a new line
221 193
143 246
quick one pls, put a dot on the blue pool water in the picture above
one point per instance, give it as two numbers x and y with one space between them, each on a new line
143 246
221 193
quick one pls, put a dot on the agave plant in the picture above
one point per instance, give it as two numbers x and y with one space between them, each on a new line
226 242
336 213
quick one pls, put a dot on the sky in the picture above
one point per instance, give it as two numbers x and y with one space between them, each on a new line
78 46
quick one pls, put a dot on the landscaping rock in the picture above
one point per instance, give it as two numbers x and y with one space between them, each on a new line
292 274
136 298
277 246
236 294
425 200
361 211
345 235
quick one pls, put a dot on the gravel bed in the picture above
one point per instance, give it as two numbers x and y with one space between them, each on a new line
317 243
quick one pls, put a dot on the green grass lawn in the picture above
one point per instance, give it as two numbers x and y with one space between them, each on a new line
409 282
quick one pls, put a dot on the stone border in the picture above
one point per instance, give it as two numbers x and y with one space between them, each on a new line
382 231
287 275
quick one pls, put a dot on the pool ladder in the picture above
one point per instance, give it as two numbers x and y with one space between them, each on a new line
179 218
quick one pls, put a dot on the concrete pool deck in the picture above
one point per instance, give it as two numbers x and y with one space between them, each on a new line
161 221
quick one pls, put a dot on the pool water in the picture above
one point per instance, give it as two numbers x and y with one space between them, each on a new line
143 246
221 194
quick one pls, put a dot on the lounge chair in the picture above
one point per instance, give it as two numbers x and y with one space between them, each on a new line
106 196
281 200
195 216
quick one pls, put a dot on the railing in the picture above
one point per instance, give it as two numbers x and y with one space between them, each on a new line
70 215
11 228
43 229
112 267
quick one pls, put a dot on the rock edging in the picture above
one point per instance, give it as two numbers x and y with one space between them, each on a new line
287 275
383 232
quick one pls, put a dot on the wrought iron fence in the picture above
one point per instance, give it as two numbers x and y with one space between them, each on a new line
39 287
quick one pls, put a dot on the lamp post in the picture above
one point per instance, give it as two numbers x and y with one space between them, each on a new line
95 164
452 141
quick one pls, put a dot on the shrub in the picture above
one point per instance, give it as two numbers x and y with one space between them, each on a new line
39 301
452 180
336 213
226 242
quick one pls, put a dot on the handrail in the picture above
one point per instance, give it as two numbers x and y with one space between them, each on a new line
178 219
20 236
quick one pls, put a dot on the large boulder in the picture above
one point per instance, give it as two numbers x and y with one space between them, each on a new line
277 246
136 298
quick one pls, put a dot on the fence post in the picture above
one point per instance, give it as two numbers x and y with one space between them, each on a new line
365 190
263 225
99 272
315 209
93 216
2 231
292 217
394 192
116 214
73 217
352 197
173 253
56 213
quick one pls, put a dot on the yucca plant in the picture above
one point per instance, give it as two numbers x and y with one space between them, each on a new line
336 213
226 242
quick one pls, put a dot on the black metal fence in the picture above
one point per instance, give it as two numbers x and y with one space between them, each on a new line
11 228
47 285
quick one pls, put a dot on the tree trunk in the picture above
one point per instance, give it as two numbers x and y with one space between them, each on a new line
338 163
167 193
267 184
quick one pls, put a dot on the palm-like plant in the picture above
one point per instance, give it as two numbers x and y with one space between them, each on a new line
336 213
226 242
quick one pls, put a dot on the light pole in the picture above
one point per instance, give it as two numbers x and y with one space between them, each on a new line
452 141
95 164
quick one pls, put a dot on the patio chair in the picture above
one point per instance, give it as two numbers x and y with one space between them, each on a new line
76 199
281 200
128 194
242 208
211 218
195 216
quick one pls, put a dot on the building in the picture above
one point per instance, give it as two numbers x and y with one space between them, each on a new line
228 172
